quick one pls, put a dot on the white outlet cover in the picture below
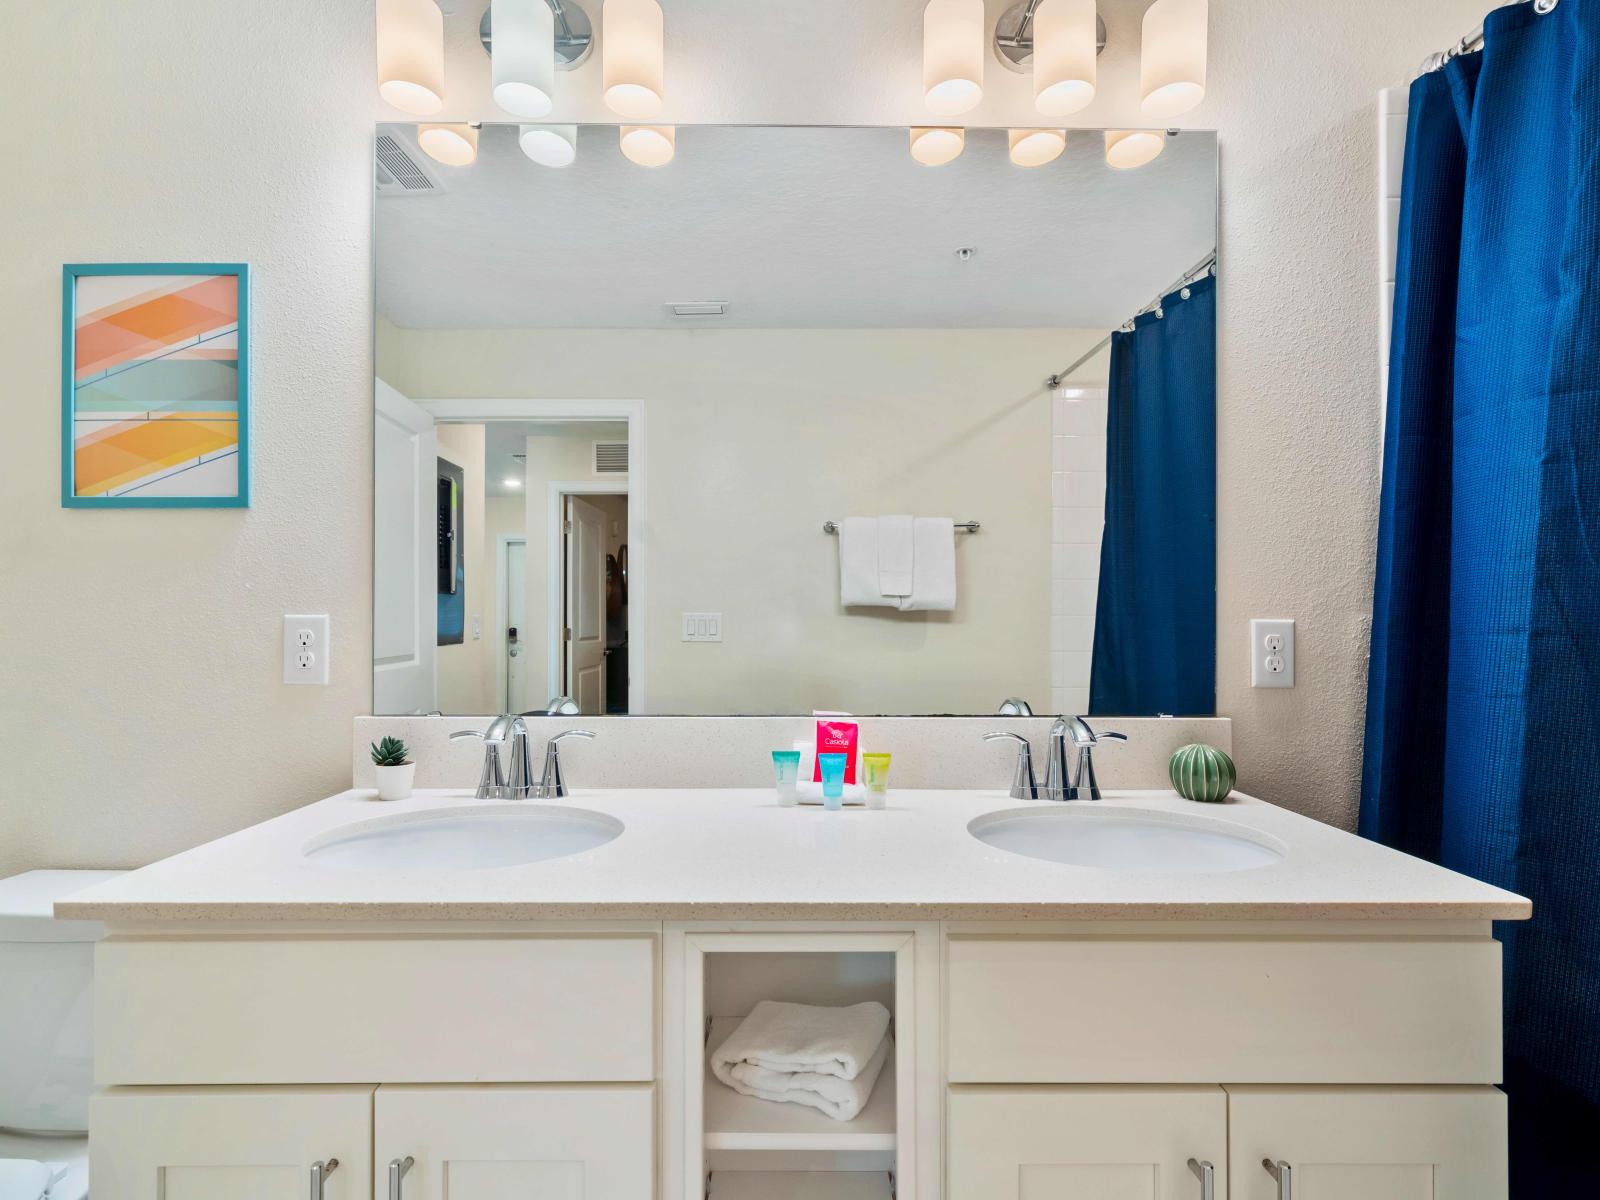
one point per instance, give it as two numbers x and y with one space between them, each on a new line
306 646
1271 653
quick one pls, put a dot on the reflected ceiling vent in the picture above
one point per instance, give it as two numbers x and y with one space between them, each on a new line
700 308
401 171
611 458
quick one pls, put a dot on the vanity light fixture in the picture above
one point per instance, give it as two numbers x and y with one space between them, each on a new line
633 57
523 57
934 146
1035 147
549 145
452 145
649 145
1172 57
1066 42
410 45
1130 148
952 55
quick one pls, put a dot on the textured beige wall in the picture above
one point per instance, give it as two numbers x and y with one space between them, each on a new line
139 705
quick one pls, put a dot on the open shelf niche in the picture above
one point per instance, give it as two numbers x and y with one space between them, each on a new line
744 1148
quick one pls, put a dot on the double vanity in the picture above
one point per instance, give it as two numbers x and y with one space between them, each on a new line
478 1000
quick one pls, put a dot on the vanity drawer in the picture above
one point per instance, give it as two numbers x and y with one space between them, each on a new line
1223 1010
516 1009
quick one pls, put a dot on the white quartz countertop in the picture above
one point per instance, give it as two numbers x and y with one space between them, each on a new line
734 854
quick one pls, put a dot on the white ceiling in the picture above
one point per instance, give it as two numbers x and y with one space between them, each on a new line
794 227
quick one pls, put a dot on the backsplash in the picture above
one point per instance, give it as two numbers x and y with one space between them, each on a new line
929 752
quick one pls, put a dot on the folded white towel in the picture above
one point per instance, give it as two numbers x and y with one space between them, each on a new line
24 1179
933 585
841 1099
896 554
778 1036
858 564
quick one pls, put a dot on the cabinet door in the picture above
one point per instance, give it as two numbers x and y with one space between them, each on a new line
1086 1143
239 1143
1369 1143
512 1143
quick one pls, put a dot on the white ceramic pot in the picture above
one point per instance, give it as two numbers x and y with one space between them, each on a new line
394 783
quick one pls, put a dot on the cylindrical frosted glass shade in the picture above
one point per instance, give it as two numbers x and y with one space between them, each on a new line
633 56
1130 148
649 145
549 145
952 55
453 145
411 55
1035 147
1065 42
1172 57
524 56
933 147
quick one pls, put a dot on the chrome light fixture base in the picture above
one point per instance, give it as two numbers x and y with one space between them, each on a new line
574 34
1013 36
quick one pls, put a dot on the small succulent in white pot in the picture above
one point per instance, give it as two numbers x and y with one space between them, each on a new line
395 771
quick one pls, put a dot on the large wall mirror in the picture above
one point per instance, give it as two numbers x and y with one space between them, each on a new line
795 422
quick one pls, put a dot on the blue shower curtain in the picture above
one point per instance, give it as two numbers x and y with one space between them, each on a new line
1483 708
1156 618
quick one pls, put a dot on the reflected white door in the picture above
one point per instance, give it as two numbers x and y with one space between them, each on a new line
405 610
516 583
586 606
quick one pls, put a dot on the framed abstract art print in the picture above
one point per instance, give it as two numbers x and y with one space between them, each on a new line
155 385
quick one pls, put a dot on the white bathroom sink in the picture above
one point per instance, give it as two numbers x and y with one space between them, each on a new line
463 839
1111 838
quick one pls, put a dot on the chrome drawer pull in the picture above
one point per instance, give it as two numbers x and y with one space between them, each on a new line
1208 1178
319 1174
397 1171
1284 1174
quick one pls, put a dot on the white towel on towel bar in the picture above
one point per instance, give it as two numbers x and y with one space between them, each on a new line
858 564
896 554
933 584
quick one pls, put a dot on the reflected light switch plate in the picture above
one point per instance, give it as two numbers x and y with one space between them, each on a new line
702 627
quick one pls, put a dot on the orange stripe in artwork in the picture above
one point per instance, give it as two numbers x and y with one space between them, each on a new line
146 448
102 342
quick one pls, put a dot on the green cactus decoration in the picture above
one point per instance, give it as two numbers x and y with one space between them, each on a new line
1202 773
391 752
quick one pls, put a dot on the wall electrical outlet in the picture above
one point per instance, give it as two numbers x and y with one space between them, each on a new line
1271 654
305 648
702 627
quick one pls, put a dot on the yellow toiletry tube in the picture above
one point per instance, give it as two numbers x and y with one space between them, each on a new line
876 769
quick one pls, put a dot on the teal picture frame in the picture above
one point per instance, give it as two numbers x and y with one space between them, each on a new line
70 276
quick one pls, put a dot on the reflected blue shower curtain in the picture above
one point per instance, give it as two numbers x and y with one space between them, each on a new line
1156 618
1483 709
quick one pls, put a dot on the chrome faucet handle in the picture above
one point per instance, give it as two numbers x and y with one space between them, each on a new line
1024 785
552 784
491 780
1084 785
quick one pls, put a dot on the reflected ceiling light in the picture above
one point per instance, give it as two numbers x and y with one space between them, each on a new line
1172 57
952 55
1130 148
649 145
511 481
523 57
1065 44
933 147
1035 147
633 57
453 145
411 55
549 145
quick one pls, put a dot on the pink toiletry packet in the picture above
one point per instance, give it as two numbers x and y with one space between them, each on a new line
835 736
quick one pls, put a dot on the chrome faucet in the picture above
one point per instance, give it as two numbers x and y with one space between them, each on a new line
552 784
1024 786
1075 781
496 783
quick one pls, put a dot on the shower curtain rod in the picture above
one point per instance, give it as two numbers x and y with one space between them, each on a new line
1195 272
1473 42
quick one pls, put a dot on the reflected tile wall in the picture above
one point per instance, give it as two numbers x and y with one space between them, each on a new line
1078 517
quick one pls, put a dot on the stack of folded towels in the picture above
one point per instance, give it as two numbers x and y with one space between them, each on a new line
827 1058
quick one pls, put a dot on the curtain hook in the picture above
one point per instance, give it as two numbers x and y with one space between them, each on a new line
1160 313
1545 7
1184 294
